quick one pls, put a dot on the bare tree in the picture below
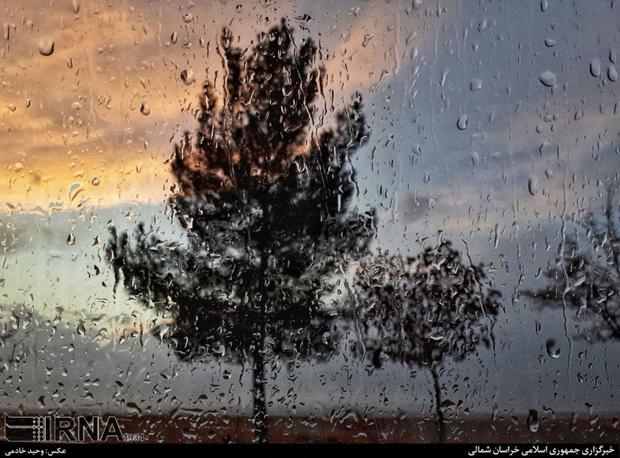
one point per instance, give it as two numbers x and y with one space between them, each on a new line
586 276
421 310
265 199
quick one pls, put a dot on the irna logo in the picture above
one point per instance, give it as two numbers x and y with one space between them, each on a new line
62 429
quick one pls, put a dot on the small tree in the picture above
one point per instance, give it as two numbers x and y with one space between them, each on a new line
420 310
586 277
265 200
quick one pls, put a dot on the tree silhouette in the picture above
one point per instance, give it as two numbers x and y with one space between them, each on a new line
420 310
586 277
265 200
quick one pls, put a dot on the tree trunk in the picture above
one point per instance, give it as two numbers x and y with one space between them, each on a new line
441 437
259 391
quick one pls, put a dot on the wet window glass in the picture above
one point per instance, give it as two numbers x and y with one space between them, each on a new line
299 221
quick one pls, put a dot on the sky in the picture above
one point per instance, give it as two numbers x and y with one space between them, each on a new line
493 124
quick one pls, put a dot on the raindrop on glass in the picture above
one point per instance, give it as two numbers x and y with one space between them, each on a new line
475 85
187 76
595 67
462 122
548 78
552 348
145 109
532 421
46 46
532 185
612 73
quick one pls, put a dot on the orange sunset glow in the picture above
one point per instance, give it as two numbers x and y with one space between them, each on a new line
109 103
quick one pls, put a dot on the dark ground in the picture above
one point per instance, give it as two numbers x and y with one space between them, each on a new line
216 429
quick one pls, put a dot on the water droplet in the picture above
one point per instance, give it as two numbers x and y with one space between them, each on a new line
145 109
579 281
367 38
532 185
81 329
462 122
74 191
133 408
46 46
187 76
550 42
552 348
612 73
71 239
532 421
475 85
188 17
75 6
95 181
548 78
595 67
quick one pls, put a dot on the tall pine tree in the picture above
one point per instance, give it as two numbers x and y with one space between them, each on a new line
265 198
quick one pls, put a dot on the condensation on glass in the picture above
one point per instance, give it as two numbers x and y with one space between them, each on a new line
287 221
